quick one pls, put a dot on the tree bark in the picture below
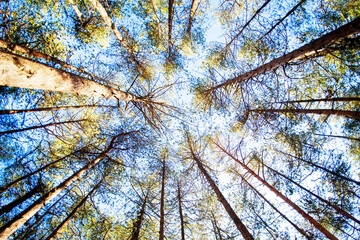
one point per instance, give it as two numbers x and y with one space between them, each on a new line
137 225
325 41
170 22
76 10
343 113
182 223
239 224
288 201
15 111
17 71
41 126
162 204
194 6
340 99
21 218
28 195
72 213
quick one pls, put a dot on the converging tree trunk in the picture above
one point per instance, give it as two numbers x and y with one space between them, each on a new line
339 99
162 203
21 218
15 111
325 41
137 225
72 213
288 201
17 71
182 223
194 6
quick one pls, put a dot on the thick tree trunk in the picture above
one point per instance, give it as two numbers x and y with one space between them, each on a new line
325 41
15 111
239 224
71 214
41 126
246 24
182 223
288 201
343 113
194 6
320 167
137 225
10 206
162 204
17 71
339 210
25 215
300 230
340 99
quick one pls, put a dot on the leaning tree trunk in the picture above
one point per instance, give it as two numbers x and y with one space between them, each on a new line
67 219
41 126
17 71
325 41
239 224
15 111
194 6
162 204
339 99
300 230
288 201
137 225
10 206
21 218
343 113
182 223
338 136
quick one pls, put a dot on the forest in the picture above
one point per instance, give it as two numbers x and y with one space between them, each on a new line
196 119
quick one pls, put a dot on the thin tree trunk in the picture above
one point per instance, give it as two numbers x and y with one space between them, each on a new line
137 225
320 167
15 111
7 186
339 210
76 10
21 218
10 206
343 113
282 19
162 204
182 223
267 227
170 22
34 53
41 126
67 219
239 224
194 6
17 71
337 136
300 230
246 24
288 201
340 99
216 227
325 41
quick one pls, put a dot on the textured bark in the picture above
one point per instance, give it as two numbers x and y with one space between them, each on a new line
21 218
288 201
338 209
162 204
72 213
239 224
246 24
343 113
17 71
16 202
170 22
325 41
300 230
15 111
137 225
194 6
182 223
40 126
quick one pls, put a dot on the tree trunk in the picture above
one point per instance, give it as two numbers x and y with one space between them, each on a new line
339 210
325 41
170 22
246 24
182 224
162 204
288 201
41 126
217 231
21 218
239 224
337 136
17 71
137 225
67 219
10 206
15 111
343 113
76 10
320 167
194 6
300 230
340 99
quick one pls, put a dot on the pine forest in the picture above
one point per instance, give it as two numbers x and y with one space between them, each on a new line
195 119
